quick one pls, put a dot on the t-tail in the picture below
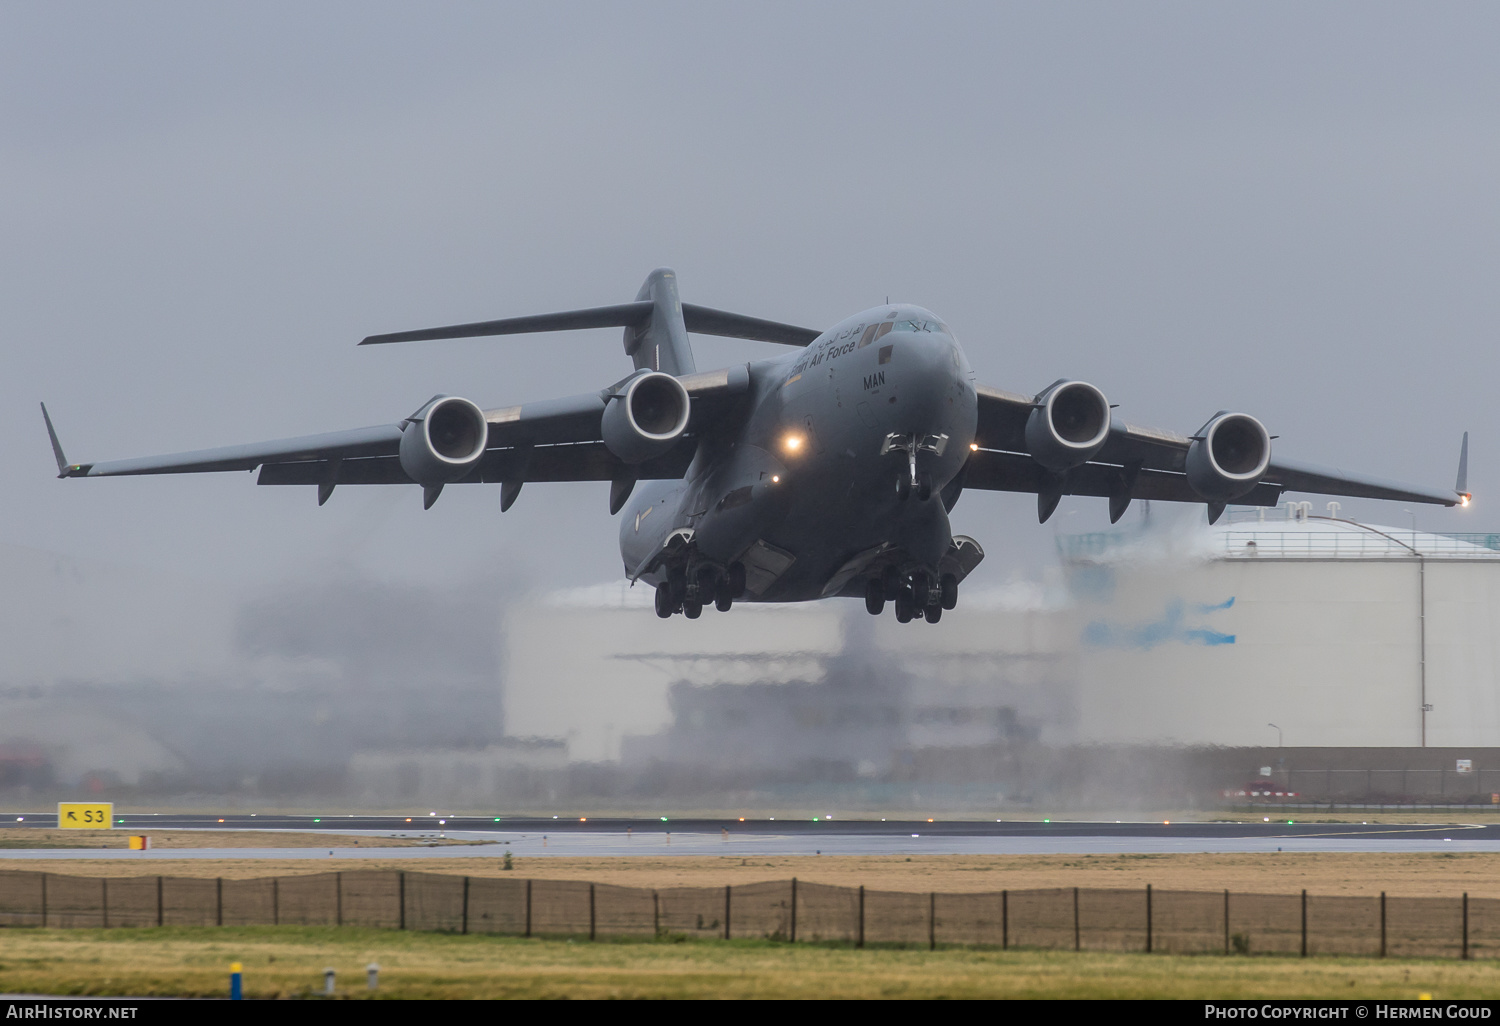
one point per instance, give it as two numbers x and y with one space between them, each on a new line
656 326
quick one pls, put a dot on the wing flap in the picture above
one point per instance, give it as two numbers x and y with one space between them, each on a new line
382 440
589 461
549 422
1304 477
1017 472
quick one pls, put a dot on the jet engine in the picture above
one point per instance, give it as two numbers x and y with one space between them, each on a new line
443 441
646 417
1228 457
1068 426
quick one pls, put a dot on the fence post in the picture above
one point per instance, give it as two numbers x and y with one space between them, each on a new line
1005 919
465 927
401 900
528 909
338 899
932 921
1226 920
1077 937
219 901
726 911
1304 924
104 900
1382 924
794 911
591 911
1466 926
1148 919
158 902
861 916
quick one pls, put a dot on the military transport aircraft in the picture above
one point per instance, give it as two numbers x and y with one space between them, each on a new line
827 471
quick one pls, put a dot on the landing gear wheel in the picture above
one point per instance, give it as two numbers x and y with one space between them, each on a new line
921 590
722 601
664 603
924 489
903 487
891 581
874 597
949 587
736 577
677 581
692 610
905 608
933 613
706 577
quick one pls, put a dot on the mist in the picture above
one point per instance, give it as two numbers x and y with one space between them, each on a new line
1285 210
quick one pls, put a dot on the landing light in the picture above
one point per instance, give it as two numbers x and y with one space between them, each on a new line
1464 500
792 443
973 446
775 478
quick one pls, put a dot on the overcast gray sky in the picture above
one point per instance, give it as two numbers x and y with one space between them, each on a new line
1288 209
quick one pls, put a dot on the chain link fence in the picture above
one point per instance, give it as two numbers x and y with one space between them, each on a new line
1065 918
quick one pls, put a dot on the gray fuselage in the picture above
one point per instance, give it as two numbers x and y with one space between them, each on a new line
812 474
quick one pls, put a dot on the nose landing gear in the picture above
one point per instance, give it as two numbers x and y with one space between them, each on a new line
909 479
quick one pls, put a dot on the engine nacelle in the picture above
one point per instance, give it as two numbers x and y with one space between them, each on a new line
443 441
1229 457
1069 426
646 417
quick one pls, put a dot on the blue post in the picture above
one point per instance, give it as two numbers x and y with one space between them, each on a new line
236 992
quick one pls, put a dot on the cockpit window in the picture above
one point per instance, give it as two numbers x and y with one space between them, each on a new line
874 332
916 325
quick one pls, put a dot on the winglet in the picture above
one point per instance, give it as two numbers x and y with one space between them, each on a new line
64 469
1462 485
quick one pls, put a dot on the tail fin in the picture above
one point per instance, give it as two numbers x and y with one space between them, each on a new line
660 342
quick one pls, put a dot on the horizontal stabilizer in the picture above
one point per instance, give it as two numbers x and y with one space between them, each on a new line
621 316
702 321
699 320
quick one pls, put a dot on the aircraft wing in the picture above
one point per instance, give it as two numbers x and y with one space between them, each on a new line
1146 463
550 440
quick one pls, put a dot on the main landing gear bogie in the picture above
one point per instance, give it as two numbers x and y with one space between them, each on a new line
688 593
916 596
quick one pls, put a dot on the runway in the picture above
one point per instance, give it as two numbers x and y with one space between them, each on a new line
665 837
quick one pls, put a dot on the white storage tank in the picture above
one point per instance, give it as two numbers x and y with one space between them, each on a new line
1281 627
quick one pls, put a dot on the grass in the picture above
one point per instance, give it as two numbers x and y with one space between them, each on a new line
288 962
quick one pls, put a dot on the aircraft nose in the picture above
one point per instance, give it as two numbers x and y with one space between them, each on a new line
935 363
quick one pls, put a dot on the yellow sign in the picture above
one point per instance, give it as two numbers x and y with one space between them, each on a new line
85 815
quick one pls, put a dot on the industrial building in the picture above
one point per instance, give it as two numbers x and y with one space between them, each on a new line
1274 629
1283 628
